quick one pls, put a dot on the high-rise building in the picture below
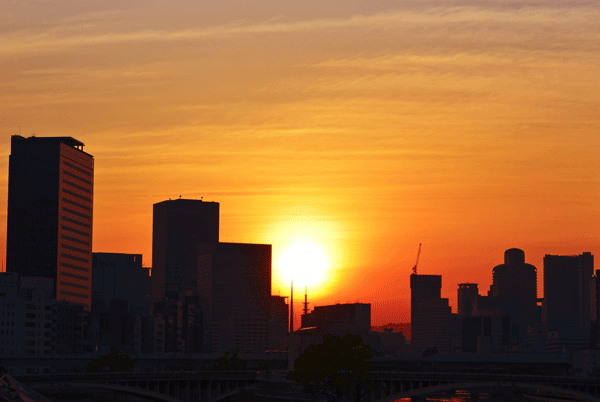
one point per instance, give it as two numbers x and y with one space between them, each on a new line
515 287
235 295
567 281
178 226
50 210
467 296
430 314
515 278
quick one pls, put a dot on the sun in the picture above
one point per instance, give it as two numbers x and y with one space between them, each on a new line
306 263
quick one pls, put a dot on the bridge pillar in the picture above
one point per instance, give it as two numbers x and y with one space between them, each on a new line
204 391
215 388
172 388
185 392
194 391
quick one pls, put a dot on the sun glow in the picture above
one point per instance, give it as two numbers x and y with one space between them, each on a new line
305 263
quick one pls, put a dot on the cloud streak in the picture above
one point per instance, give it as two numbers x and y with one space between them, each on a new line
461 21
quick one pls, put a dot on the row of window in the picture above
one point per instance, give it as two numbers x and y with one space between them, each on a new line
68 201
34 316
72 257
79 214
76 267
73 175
79 232
74 276
73 285
80 295
32 343
75 240
86 172
39 307
30 324
77 186
79 250
81 197
76 222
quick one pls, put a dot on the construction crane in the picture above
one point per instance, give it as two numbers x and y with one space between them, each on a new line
417 263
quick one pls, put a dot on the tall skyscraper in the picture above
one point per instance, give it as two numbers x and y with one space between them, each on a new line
515 278
430 314
514 284
50 210
178 226
467 297
567 290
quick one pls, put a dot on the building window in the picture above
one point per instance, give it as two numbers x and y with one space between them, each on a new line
81 197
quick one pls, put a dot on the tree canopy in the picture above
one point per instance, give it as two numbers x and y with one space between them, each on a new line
335 368
230 361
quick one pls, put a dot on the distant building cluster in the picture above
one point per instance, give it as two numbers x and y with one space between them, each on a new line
203 296
200 296
511 318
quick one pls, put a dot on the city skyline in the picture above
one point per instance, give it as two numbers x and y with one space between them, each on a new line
363 129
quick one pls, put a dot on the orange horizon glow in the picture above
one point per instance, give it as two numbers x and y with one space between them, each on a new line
363 129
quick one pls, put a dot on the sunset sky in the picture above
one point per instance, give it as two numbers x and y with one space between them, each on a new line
362 128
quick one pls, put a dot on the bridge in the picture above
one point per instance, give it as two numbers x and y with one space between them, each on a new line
180 386
212 386
396 385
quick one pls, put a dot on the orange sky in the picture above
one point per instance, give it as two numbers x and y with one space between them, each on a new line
367 127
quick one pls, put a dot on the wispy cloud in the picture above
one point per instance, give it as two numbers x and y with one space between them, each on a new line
457 21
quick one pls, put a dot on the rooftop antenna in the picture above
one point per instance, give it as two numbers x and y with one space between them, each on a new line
414 270
305 300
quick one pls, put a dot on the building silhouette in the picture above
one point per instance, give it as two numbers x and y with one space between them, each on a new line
567 280
340 319
595 309
178 227
430 314
118 276
485 333
279 323
514 284
50 211
467 297
234 284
